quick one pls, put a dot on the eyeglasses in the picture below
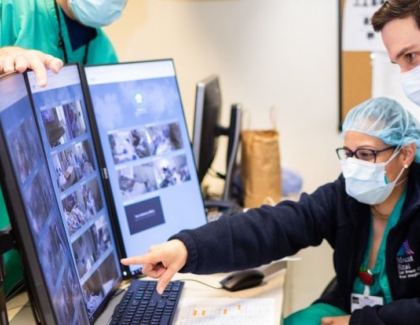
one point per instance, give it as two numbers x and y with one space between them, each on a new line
361 153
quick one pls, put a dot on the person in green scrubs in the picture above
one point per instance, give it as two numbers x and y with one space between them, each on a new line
44 34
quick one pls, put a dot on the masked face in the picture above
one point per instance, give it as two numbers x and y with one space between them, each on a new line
410 81
370 180
401 38
97 13
367 182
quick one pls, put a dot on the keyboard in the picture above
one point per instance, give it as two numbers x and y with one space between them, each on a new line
141 304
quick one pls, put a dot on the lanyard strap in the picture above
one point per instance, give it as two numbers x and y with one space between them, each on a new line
79 35
60 34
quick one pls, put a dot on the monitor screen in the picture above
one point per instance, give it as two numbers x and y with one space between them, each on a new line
54 196
145 145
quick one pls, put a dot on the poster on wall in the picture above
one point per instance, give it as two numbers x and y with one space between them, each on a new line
366 70
358 34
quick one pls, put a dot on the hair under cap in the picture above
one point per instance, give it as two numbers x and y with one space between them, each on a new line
386 119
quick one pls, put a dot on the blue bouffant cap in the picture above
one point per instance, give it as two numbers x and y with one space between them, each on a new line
385 119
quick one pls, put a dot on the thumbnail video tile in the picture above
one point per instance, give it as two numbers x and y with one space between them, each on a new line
63 123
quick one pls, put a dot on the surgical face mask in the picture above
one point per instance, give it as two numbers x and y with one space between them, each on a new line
410 81
97 13
367 182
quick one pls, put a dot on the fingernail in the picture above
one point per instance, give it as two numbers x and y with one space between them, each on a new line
42 82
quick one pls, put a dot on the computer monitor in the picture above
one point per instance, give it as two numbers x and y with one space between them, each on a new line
93 170
66 242
143 138
208 129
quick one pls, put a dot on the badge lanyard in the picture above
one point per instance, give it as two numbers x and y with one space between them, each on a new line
359 301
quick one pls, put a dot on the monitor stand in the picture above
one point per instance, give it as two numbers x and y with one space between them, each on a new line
233 133
225 204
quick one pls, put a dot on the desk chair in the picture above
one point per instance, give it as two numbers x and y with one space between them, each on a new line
330 286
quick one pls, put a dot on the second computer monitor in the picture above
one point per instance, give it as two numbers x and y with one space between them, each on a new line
208 128
143 139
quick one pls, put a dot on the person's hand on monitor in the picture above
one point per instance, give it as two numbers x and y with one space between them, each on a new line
13 58
162 261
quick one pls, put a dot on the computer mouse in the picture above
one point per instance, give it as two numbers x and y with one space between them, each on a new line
242 280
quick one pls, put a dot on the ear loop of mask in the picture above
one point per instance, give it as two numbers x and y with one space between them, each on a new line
398 150
400 147
400 181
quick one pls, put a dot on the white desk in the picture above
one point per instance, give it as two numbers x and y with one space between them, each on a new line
272 288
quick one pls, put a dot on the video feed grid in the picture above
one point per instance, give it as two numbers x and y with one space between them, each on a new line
82 205
63 123
73 164
73 172
44 219
144 141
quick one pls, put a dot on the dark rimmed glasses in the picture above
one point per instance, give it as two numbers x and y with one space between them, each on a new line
361 153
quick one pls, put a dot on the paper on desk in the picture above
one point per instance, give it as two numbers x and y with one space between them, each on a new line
225 311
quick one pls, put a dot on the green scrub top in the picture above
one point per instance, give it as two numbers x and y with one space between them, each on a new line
33 24
380 286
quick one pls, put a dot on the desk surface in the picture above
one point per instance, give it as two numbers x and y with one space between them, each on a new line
271 287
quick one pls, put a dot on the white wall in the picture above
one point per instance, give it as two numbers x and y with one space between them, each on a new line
281 53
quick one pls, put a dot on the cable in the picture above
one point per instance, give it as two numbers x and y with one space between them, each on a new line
203 283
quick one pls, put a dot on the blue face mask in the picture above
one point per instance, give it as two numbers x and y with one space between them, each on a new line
367 182
97 13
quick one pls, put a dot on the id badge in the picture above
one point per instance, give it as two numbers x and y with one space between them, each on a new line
359 301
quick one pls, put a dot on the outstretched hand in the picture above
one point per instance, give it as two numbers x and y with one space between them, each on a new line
16 58
162 261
